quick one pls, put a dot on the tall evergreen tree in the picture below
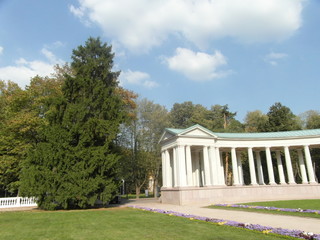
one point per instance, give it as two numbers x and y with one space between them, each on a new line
280 118
74 164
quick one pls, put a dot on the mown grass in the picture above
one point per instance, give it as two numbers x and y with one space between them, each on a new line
133 196
115 223
302 204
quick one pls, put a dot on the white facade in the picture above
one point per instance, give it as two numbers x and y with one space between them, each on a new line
192 159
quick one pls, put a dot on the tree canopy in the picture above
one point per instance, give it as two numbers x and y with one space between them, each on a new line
280 118
73 165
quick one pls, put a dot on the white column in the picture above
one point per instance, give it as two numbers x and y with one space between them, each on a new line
220 167
259 169
309 165
289 165
302 167
196 168
206 166
175 167
182 166
270 167
202 177
252 168
280 168
240 169
213 166
235 167
189 166
168 169
164 169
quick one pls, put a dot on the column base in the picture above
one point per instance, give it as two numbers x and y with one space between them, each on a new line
292 183
237 185
272 184
313 183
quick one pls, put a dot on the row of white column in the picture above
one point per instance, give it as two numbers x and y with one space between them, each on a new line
303 164
178 169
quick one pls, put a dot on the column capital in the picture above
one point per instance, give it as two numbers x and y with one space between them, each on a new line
180 145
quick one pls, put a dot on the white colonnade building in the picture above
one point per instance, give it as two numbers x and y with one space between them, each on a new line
193 169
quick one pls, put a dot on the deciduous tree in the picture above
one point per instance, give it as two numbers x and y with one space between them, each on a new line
255 121
142 158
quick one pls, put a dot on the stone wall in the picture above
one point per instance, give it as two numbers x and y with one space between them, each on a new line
239 194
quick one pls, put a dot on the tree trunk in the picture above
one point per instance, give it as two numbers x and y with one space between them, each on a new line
227 169
138 188
225 122
155 188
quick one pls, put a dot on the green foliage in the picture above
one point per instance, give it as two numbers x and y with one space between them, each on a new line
311 119
139 141
73 165
255 121
218 118
221 117
181 115
22 114
280 118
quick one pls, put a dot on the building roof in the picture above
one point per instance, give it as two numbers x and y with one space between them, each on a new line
264 135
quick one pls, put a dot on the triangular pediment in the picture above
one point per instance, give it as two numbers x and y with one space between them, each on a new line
194 131
197 133
166 136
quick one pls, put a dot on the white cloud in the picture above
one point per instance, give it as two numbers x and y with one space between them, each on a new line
51 57
1 50
24 70
143 24
78 12
273 58
197 66
137 78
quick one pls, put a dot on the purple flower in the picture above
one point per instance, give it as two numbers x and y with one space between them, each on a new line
256 227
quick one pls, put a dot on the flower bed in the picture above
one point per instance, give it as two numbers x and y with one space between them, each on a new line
270 208
256 227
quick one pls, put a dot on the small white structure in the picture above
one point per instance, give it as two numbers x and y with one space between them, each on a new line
13 202
193 169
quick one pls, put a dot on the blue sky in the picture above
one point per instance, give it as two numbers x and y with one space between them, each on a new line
248 54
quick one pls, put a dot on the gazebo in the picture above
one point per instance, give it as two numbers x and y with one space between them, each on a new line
193 170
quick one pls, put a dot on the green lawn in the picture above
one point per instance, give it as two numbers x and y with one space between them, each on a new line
133 196
302 204
114 223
